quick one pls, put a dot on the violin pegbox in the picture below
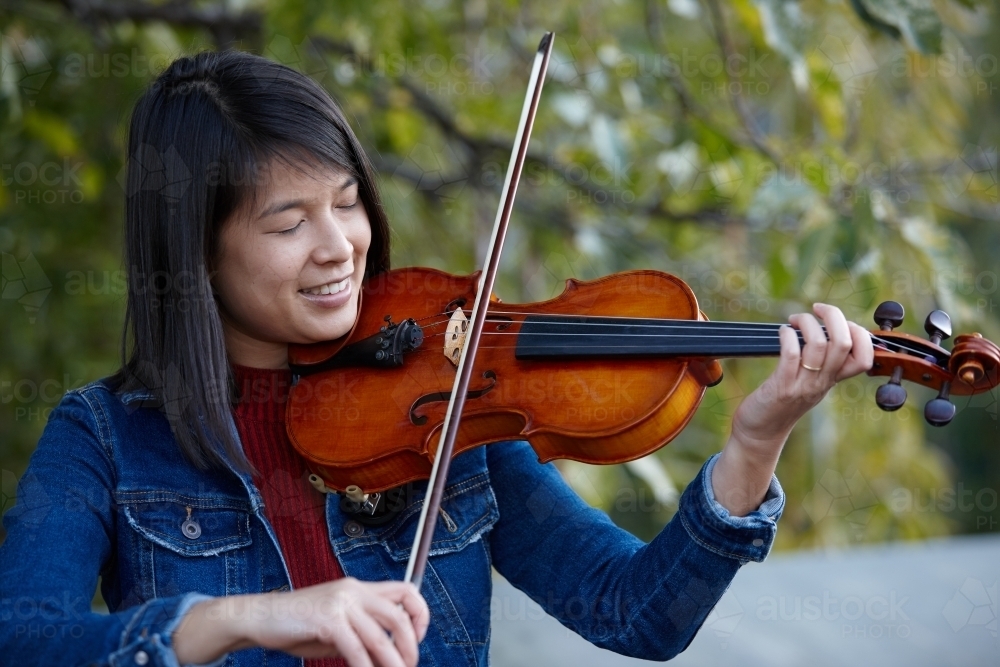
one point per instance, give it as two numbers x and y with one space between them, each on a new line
971 367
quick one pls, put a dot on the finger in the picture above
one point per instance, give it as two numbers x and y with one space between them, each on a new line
413 602
839 344
394 618
862 353
349 645
814 351
791 355
378 643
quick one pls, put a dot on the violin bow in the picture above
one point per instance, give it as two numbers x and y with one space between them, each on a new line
449 430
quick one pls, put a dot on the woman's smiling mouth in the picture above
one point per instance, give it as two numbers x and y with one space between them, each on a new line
329 288
331 295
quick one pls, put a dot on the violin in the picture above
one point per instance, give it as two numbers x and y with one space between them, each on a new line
607 372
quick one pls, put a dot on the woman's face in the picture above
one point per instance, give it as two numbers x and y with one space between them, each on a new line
291 270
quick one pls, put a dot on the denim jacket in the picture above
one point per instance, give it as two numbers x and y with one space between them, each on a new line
107 492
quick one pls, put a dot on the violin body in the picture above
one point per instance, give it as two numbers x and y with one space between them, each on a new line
608 371
378 428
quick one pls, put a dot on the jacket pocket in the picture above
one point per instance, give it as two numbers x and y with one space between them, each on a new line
183 544
468 509
458 579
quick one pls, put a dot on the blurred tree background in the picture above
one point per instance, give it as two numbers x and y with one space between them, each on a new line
772 153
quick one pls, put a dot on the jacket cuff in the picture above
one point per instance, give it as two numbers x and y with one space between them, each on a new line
148 638
745 538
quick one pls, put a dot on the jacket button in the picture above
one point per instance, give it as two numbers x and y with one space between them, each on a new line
353 529
758 542
191 529
141 657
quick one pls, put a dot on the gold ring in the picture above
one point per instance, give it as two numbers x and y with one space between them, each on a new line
810 368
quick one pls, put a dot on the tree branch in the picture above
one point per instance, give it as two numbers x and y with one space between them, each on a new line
226 26
739 102
688 102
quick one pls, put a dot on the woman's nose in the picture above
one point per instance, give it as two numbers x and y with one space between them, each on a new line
332 245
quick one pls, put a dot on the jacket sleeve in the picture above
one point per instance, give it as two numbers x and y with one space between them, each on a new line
60 536
643 600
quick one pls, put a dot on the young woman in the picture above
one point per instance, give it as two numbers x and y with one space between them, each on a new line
252 219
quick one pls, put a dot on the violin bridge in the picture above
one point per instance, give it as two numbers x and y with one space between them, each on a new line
454 339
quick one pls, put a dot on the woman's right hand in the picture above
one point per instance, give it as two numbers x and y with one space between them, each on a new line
367 623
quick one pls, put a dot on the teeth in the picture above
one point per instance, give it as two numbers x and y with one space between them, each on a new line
330 288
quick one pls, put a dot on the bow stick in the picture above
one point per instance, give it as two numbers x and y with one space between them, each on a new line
449 429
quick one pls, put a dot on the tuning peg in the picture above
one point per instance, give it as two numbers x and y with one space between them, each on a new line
938 325
940 411
891 395
889 314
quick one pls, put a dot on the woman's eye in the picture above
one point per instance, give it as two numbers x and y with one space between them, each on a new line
291 229
349 206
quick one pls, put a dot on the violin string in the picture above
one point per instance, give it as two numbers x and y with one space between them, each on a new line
754 333
667 324
757 328
761 335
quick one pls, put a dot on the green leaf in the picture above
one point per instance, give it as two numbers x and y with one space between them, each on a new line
913 20
782 22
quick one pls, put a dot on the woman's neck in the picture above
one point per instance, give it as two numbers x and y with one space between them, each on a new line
246 350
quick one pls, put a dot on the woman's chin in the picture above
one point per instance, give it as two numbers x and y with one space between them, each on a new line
319 327
322 332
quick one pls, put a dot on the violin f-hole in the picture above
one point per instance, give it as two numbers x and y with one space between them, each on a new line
420 420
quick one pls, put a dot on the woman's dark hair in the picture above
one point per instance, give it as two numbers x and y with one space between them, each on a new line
199 142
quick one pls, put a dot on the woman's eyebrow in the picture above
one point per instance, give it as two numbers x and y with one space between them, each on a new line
282 206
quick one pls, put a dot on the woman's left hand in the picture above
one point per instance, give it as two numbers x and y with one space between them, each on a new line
804 376
765 418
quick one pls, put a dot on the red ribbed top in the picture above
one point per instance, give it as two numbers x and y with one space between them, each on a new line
295 509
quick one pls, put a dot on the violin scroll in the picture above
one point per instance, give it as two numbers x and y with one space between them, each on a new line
975 361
